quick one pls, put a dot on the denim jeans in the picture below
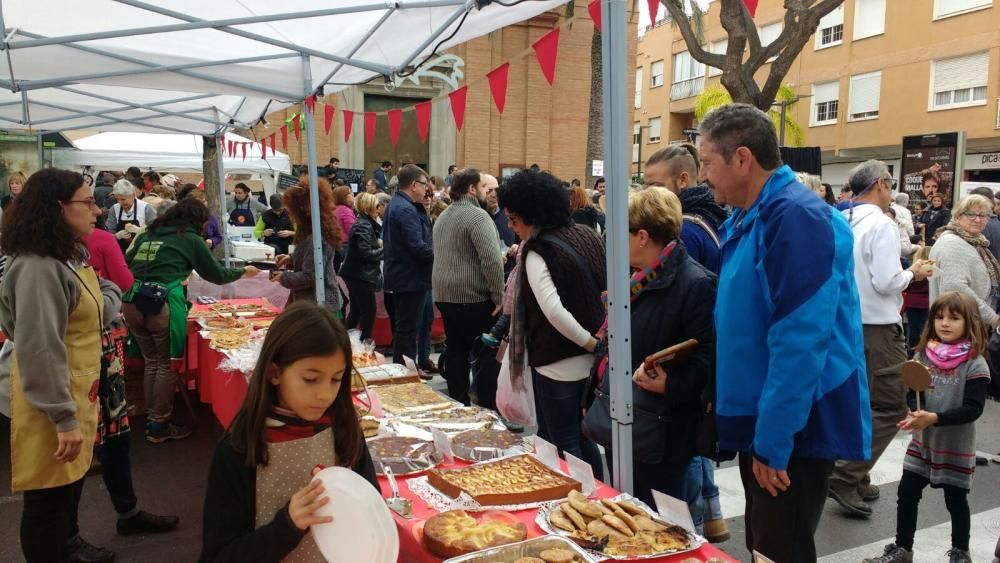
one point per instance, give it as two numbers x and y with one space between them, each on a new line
425 320
116 470
557 404
704 501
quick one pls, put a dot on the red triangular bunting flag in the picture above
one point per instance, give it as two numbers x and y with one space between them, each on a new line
369 128
297 126
220 144
498 85
232 148
311 103
274 143
327 118
243 146
348 124
654 9
458 105
423 112
395 120
546 51
263 149
751 7
284 137
595 13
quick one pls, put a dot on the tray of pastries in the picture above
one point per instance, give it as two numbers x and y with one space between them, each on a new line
229 338
404 455
544 549
520 479
387 374
217 323
455 532
410 397
487 443
452 421
619 528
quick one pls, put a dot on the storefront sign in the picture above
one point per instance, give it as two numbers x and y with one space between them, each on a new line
985 161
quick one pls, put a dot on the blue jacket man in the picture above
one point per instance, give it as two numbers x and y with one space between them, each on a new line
409 258
379 175
792 391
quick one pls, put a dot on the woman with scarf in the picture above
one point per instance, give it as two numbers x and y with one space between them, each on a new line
672 300
963 255
557 307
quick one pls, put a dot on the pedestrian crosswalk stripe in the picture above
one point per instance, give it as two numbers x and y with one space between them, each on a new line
931 543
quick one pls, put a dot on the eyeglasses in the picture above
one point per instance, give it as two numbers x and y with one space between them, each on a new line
89 201
424 184
974 216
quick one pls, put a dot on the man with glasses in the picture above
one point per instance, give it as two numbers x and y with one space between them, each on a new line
881 280
409 258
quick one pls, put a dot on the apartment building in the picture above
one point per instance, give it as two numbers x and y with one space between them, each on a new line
875 71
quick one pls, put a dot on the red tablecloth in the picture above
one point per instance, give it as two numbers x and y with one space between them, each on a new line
412 551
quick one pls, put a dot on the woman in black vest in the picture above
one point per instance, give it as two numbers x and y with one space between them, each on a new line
557 306
362 268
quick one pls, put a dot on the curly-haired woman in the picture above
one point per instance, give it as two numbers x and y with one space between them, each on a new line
53 306
557 306
301 279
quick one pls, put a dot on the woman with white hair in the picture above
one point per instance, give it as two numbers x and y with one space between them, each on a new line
963 255
130 215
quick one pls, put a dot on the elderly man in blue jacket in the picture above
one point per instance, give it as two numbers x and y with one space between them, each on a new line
791 383
409 258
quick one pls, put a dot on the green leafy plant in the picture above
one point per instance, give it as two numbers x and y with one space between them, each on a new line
716 96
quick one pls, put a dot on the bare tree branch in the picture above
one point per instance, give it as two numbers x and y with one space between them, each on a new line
696 50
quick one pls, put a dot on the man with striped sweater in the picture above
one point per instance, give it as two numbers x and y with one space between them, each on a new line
467 280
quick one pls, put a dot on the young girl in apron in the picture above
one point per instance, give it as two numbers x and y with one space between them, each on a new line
297 417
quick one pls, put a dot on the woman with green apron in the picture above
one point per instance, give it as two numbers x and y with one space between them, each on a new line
54 307
155 308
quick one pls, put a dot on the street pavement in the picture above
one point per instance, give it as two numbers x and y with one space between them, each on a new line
170 479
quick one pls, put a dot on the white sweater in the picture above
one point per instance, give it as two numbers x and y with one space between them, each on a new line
877 271
962 270
540 280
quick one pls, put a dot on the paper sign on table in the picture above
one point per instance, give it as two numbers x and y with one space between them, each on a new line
673 510
597 168
758 558
546 453
582 472
443 445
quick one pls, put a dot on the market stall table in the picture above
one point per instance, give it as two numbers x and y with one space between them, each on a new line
412 551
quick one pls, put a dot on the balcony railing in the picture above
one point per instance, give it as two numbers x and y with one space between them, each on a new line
687 88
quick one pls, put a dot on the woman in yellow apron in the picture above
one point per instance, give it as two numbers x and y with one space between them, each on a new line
52 306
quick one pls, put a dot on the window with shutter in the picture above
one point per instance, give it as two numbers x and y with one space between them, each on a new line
825 103
654 130
688 77
656 74
638 88
869 18
636 139
768 34
960 81
948 8
830 31
719 48
864 97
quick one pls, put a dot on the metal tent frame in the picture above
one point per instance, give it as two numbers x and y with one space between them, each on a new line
181 66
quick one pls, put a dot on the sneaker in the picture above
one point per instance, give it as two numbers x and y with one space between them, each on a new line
716 531
868 493
850 501
146 523
82 552
159 432
893 554
956 555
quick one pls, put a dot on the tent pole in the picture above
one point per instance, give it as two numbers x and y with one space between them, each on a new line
614 50
215 123
317 231
41 153
223 220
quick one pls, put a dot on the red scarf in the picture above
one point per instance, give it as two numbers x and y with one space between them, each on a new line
284 426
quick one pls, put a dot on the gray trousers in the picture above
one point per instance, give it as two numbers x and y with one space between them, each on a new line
885 350
152 333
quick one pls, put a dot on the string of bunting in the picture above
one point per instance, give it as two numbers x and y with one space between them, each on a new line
545 50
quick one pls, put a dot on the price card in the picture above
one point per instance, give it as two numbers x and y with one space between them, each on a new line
375 404
674 510
546 453
443 445
758 558
582 472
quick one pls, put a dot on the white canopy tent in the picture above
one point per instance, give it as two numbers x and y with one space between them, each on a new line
141 67
119 150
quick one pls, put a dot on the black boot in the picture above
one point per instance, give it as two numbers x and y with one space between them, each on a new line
146 523
82 552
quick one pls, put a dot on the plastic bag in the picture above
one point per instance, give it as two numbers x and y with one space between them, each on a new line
516 398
